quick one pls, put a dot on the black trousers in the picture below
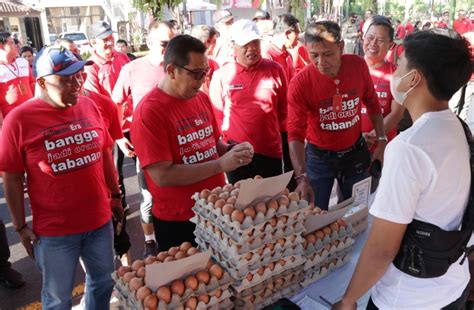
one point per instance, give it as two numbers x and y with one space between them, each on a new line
261 165
173 233
4 249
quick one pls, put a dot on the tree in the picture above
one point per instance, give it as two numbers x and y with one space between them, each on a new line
155 7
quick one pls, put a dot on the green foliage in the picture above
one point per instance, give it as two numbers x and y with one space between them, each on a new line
86 55
155 6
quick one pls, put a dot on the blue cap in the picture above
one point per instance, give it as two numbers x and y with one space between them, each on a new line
57 60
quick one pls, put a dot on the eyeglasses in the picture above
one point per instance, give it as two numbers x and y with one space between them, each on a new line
164 44
197 74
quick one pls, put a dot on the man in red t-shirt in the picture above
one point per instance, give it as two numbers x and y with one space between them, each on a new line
178 142
15 76
324 108
208 36
462 24
400 30
249 99
409 28
300 56
58 139
137 79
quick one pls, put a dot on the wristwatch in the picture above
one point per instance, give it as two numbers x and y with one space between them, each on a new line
383 138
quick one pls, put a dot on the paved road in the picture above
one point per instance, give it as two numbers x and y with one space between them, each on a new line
29 295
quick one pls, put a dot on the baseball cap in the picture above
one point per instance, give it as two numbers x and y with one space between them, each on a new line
57 60
243 31
222 16
101 30
261 14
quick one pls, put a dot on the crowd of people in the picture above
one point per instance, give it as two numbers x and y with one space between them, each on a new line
223 104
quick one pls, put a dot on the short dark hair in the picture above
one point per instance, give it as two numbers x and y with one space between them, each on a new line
203 32
121 41
4 37
27 48
285 22
177 51
443 57
158 23
380 20
322 30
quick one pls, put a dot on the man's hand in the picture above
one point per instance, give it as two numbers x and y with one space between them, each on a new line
126 147
117 209
239 156
304 190
379 151
28 238
341 305
370 138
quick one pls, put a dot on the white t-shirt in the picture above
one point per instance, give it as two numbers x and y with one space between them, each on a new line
426 176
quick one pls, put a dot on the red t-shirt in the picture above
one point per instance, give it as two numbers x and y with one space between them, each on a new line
462 26
181 131
250 104
442 24
11 77
310 105
281 56
409 28
300 57
381 77
109 113
397 48
400 32
61 152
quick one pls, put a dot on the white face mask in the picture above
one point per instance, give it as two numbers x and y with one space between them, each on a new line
395 82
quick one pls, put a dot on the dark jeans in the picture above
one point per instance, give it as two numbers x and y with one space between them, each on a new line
287 165
173 233
321 173
261 165
458 304
4 249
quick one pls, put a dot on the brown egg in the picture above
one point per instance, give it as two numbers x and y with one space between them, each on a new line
252 299
272 204
169 259
260 251
283 200
327 231
212 198
305 243
141 272
270 286
150 302
271 266
237 184
292 238
250 212
279 282
142 292
319 234
137 264
177 287
341 223
216 271
235 192
282 262
249 277
281 241
293 196
231 200
224 195
311 239
180 255
123 270
191 303
203 276
164 293
317 210
161 256
328 246
270 246
192 251
129 276
185 246
248 256
219 204
228 188
209 264
217 293
237 216
283 219
334 226
204 298
172 251
150 260
323 212
191 282
286 191
261 271
257 177
261 207
135 284
273 222
227 209
205 193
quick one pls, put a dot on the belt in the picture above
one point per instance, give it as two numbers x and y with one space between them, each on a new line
322 152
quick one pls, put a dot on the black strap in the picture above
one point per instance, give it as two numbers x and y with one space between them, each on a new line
462 100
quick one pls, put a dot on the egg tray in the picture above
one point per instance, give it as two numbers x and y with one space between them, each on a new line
335 235
324 270
295 211
360 227
259 301
289 277
322 255
241 282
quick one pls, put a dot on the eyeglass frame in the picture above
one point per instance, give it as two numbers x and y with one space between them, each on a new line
194 73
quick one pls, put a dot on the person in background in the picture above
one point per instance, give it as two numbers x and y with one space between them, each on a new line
264 24
16 80
409 27
175 26
137 79
300 56
399 30
350 34
324 109
178 142
28 53
122 46
442 23
249 100
223 20
58 139
426 177
9 277
208 36
69 45
462 24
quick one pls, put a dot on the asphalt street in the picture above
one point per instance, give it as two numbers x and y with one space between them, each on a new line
28 297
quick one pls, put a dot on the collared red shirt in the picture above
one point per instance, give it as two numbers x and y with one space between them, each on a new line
250 104
281 56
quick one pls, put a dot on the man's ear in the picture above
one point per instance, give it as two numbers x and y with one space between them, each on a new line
170 70
341 46
41 83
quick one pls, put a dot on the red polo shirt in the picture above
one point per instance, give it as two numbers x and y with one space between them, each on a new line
13 77
310 105
281 56
250 104
462 26
300 57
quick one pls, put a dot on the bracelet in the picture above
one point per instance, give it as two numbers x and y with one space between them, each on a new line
303 175
18 229
383 138
116 196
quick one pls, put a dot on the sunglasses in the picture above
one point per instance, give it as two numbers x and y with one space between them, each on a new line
197 74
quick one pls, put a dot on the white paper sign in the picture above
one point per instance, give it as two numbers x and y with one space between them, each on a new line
361 192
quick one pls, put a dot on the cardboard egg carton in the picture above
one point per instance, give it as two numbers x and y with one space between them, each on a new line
265 297
244 281
318 257
339 235
324 269
360 227
356 214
